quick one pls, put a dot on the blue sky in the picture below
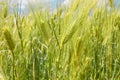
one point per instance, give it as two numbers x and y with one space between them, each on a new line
52 4
116 2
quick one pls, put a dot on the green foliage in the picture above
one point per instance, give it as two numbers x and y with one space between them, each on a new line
79 43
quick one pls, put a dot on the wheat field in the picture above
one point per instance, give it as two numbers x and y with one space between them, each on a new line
81 42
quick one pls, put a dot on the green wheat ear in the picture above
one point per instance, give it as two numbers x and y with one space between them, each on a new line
78 45
5 10
111 3
8 38
44 31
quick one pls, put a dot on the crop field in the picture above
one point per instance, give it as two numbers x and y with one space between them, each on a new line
80 42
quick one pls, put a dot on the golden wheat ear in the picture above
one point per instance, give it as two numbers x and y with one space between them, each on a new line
9 40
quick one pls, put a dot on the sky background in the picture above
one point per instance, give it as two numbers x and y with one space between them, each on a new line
51 4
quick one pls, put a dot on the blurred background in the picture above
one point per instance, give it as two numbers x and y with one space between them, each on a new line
23 6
